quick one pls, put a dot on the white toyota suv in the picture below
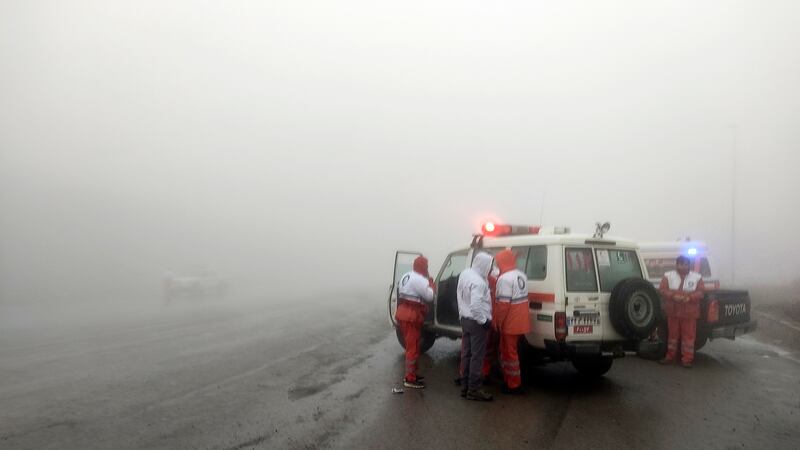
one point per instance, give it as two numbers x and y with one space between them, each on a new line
588 299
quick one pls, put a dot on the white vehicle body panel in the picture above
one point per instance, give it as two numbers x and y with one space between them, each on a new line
581 308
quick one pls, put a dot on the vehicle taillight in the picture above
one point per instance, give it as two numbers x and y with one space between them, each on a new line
713 311
560 321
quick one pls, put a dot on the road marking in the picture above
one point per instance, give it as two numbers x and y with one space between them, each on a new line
781 321
782 353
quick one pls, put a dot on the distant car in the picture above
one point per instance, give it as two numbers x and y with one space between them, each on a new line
200 285
588 299
724 313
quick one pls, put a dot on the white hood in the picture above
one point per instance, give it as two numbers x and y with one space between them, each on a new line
482 264
474 300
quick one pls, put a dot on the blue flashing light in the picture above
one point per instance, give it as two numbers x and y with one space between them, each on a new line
691 251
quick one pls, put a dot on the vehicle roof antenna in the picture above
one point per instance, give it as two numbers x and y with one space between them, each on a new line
601 229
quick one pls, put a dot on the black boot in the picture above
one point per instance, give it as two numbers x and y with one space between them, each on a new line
479 395
515 391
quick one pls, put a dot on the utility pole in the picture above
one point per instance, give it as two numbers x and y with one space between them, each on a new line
734 145
541 208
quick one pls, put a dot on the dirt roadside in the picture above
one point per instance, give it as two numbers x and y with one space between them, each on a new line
777 310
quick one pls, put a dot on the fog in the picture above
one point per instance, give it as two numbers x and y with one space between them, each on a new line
291 147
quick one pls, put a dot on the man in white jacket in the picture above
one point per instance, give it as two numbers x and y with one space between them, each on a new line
475 312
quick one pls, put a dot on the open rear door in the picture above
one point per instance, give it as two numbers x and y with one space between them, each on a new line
403 262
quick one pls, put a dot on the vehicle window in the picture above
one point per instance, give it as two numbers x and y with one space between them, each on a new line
616 265
522 257
454 265
657 267
537 263
403 264
447 285
580 270
520 252
705 268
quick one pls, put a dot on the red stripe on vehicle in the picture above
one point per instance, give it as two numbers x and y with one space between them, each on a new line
541 297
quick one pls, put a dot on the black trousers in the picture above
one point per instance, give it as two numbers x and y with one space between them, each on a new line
473 349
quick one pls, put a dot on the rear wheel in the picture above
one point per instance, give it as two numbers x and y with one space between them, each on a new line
701 339
528 356
656 346
426 340
592 366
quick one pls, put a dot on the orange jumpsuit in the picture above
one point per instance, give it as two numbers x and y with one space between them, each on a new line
511 317
681 315
411 310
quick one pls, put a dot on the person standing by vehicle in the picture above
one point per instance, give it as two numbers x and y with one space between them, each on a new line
681 290
491 339
475 313
415 289
511 318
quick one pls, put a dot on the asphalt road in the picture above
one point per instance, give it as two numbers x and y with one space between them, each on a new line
319 375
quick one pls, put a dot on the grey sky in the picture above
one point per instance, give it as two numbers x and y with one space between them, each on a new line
272 140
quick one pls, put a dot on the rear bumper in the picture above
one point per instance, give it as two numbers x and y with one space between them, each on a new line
589 348
731 331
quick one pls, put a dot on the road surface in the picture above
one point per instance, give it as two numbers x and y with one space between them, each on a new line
318 374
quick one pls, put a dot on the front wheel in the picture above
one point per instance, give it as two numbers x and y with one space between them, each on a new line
592 367
426 340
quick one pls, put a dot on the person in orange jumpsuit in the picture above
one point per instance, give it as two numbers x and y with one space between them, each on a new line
414 291
511 318
681 291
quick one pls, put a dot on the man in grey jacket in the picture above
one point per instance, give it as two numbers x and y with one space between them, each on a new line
475 313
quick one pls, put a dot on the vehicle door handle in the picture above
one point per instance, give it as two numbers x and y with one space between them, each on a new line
594 298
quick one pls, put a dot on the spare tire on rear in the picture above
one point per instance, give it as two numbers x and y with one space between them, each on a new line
634 308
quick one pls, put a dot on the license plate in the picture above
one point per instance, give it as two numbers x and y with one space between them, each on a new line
592 318
582 329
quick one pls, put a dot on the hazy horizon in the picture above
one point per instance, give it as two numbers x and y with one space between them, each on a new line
292 147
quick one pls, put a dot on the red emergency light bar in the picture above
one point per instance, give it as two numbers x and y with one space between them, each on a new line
494 229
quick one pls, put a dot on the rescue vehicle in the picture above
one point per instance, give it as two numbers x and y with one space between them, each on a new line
589 301
724 313
659 258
